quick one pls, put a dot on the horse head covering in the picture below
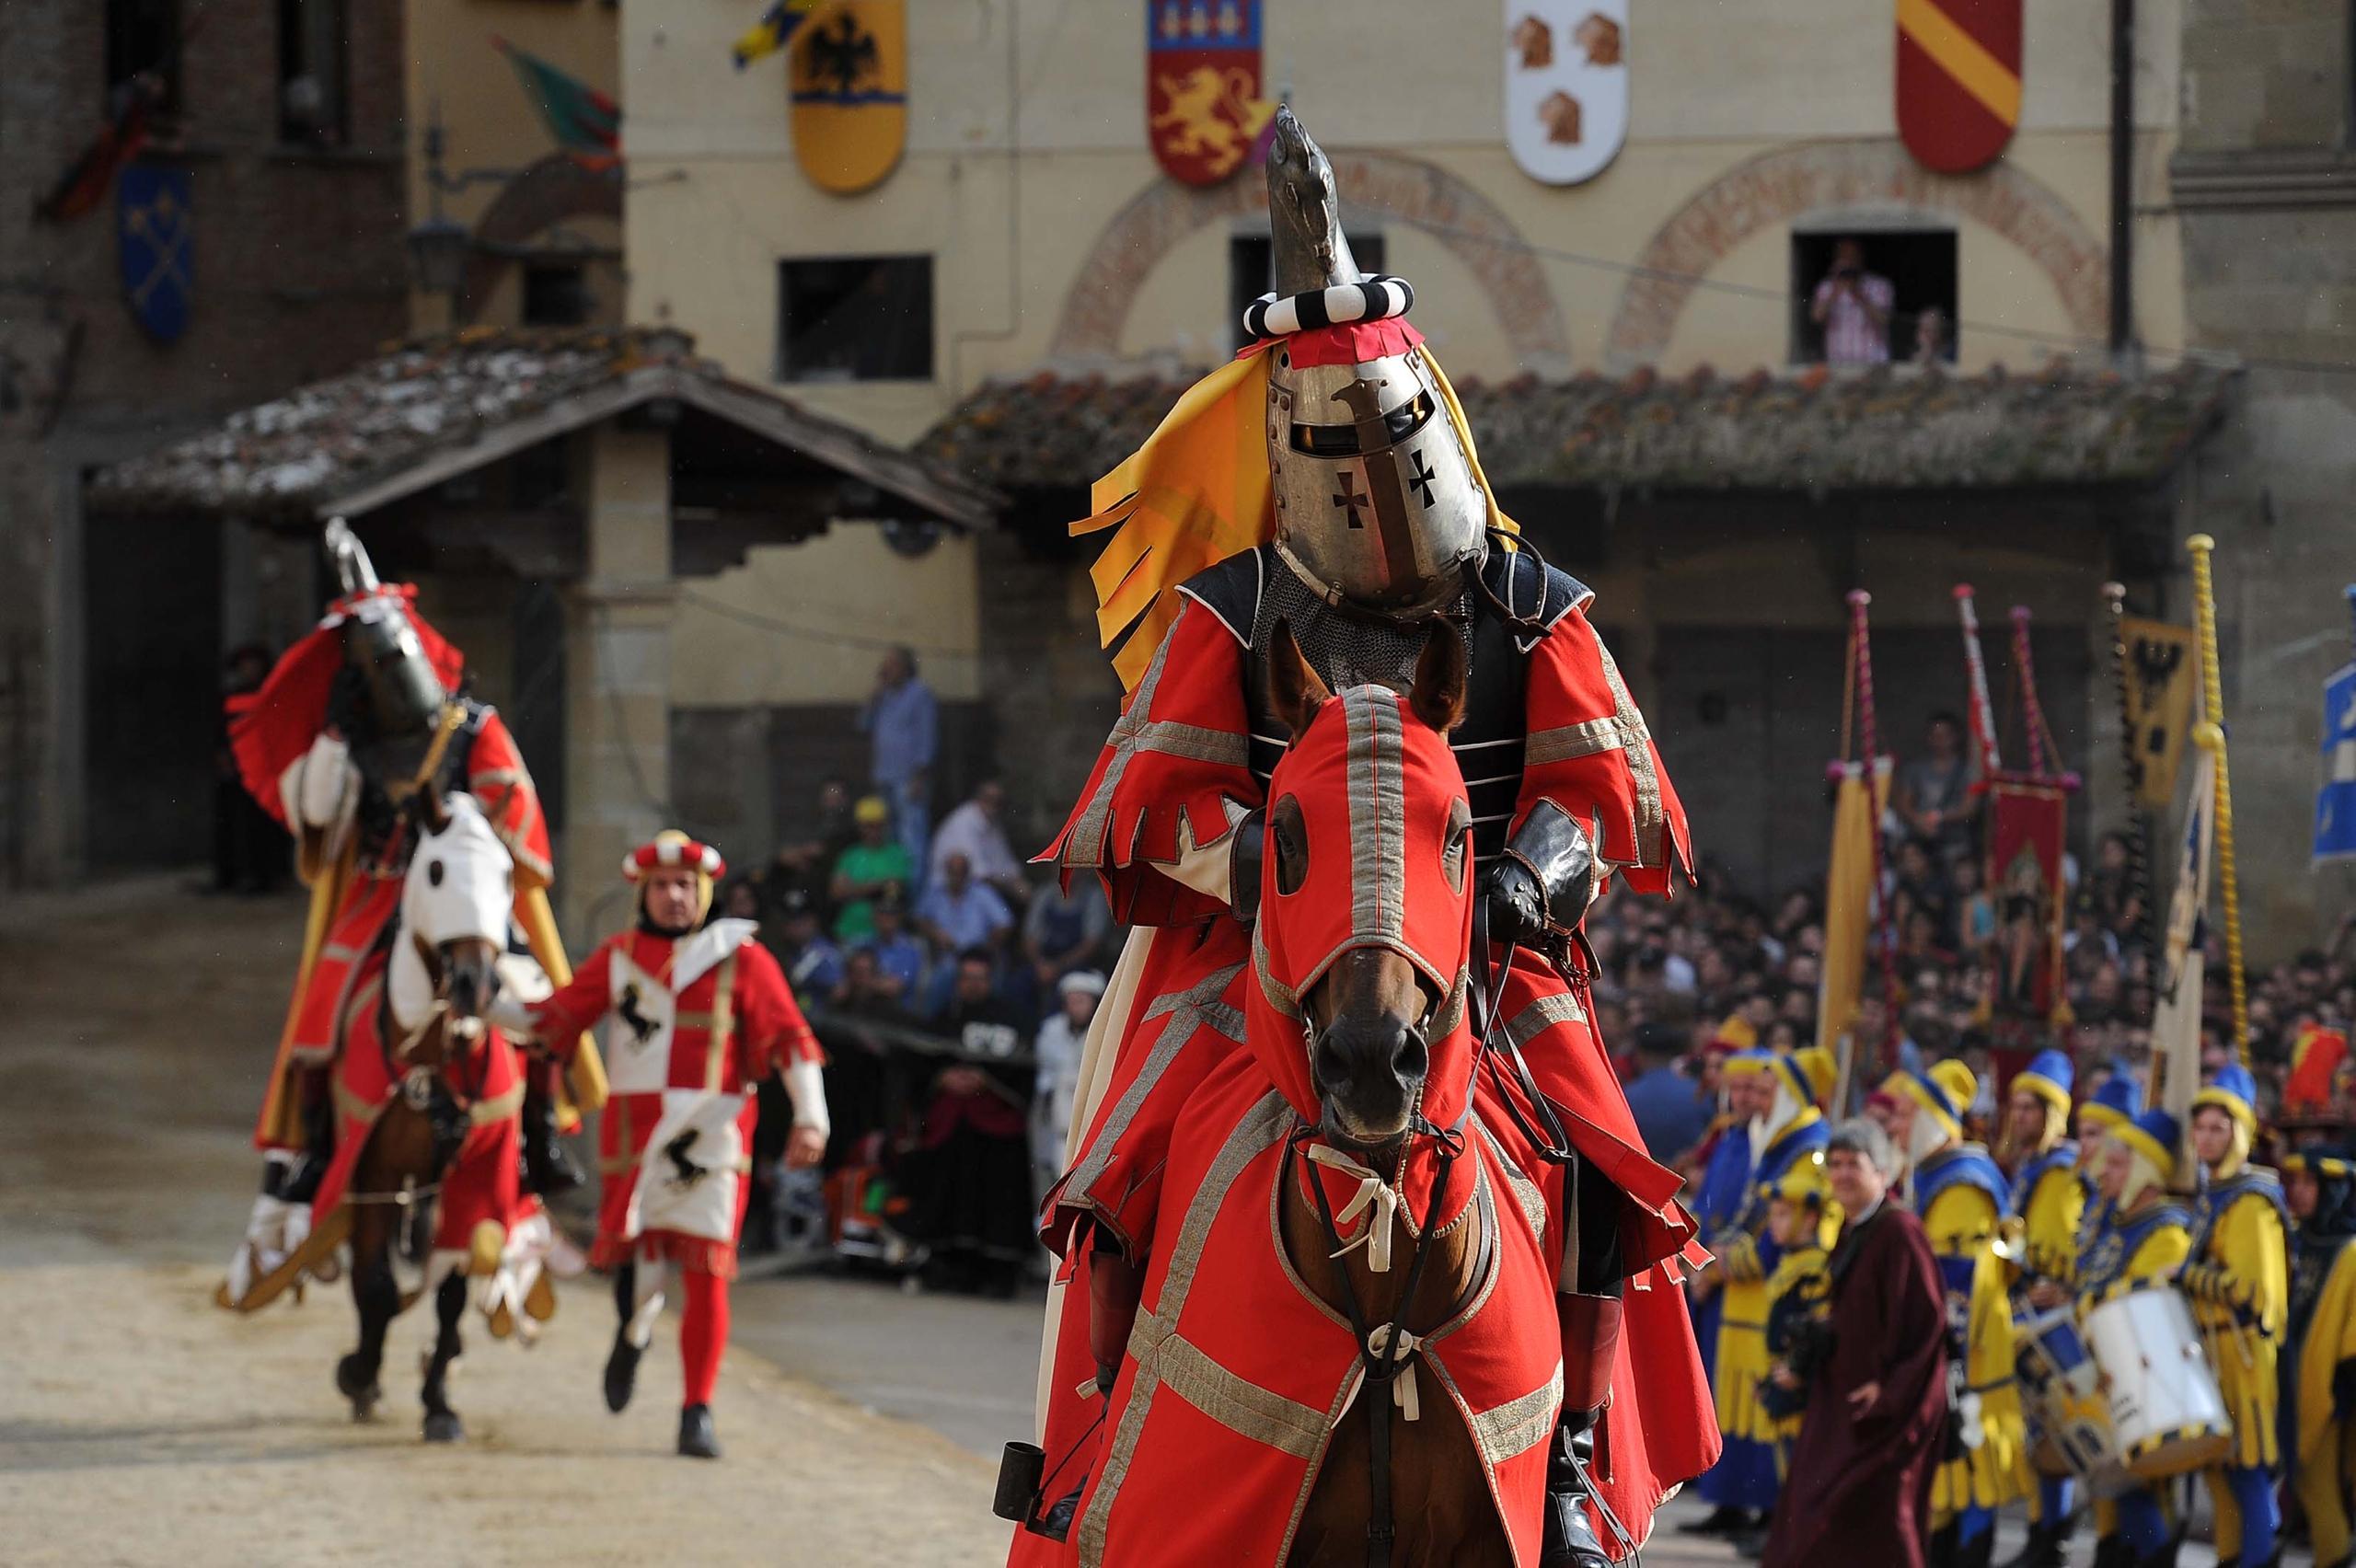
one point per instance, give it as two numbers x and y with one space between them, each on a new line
1385 832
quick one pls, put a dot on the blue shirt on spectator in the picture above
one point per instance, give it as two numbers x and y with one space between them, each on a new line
902 957
970 918
816 969
1669 1111
906 728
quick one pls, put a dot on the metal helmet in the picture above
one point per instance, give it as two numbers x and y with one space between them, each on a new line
405 695
1375 499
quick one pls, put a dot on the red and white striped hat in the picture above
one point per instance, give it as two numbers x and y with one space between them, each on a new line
671 847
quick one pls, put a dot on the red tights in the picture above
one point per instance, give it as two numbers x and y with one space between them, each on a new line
703 1333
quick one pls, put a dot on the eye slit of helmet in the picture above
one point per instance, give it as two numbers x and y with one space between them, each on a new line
1460 844
1342 440
1291 831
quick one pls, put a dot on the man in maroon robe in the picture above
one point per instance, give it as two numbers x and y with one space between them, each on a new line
1859 1485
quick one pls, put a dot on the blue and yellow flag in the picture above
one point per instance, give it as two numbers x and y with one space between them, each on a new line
774 31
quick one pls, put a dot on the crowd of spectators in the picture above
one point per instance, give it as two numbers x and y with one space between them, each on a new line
952 983
1715 968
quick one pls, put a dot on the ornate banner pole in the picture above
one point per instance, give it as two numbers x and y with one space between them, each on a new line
2139 824
2210 735
1984 712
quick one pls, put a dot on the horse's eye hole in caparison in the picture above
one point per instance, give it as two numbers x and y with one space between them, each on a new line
433 873
1292 845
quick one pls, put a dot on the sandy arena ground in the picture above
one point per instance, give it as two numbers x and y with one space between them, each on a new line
141 1426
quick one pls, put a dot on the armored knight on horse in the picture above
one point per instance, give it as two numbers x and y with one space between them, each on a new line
358 719
1362 533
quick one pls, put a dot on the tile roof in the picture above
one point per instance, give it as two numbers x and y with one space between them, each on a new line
1810 428
423 404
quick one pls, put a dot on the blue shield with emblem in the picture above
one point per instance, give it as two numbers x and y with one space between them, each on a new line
157 246
2336 800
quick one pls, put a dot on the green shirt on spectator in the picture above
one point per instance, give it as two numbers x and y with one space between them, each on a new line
861 864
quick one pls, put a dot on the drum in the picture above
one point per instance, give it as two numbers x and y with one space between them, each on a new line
2068 1415
2165 1414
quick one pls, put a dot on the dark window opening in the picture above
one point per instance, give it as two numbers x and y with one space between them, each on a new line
313 36
1252 271
855 318
144 42
1919 267
556 294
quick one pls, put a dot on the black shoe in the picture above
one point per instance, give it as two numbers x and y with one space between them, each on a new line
1720 1522
621 1372
696 1439
2044 1547
1569 1536
1751 1544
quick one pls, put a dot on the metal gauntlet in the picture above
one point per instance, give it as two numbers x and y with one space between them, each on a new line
1244 866
1540 888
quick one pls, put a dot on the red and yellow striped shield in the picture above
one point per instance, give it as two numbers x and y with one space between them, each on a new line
1958 80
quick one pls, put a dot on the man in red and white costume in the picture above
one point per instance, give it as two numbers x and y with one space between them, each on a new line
694 1017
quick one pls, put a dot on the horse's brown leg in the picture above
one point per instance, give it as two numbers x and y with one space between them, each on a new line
377 1298
442 1424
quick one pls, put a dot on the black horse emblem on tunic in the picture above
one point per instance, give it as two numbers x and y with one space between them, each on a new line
640 1024
685 1172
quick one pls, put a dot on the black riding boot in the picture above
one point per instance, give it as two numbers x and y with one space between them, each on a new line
547 1169
1570 1540
301 1183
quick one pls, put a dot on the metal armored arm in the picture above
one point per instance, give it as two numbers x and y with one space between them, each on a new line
1540 887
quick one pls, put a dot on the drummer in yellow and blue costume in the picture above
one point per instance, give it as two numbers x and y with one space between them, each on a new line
1786 1132
2051 1200
2318 1363
1962 1198
1801 1216
2238 1282
2144 1237
1731 1486
2118 1102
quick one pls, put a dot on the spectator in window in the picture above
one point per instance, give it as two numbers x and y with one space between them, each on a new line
903 963
874 862
1853 307
1931 345
809 861
974 831
958 913
969 1185
1061 1041
903 725
810 959
1934 799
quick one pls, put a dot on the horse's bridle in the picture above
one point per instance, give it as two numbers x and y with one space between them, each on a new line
1384 1349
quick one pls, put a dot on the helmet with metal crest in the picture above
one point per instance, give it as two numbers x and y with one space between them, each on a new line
405 694
1378 503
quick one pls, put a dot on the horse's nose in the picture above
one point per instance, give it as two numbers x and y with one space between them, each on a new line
1355 1050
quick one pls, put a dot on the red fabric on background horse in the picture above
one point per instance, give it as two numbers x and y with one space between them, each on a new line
1235 1368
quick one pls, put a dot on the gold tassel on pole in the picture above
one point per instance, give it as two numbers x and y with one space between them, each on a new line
2210 735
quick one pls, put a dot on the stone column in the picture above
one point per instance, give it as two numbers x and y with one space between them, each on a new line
617 663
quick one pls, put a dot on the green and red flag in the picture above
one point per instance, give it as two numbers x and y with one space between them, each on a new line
586 122
1958 80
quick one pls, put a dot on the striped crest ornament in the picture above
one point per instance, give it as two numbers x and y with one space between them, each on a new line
1959 81
1369 299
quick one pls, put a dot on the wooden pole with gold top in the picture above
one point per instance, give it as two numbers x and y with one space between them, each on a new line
2209 737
